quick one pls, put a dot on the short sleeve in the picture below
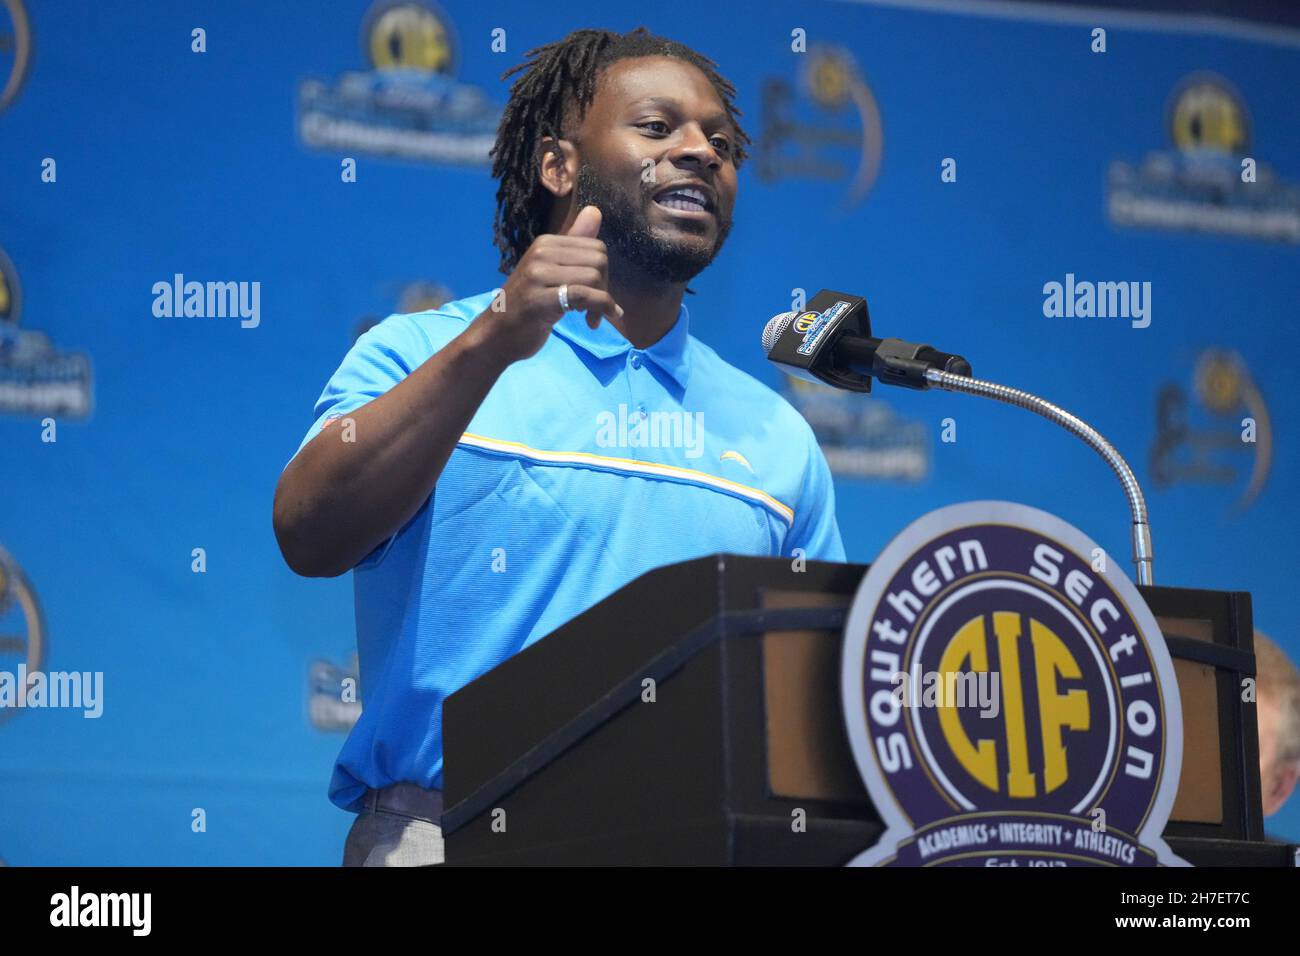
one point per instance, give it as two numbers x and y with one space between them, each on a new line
379 359
815 529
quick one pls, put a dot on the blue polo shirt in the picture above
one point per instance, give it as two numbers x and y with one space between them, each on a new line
587 465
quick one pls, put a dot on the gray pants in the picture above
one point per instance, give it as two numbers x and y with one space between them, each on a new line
396 827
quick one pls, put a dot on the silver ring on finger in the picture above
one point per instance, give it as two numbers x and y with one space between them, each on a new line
564 297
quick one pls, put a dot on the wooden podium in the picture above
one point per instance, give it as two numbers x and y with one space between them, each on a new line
683 719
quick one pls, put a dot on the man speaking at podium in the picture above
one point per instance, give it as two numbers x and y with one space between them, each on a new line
492 468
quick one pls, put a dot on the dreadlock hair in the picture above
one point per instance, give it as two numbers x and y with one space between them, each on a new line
558 73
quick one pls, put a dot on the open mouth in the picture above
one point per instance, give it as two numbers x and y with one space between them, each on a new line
686 200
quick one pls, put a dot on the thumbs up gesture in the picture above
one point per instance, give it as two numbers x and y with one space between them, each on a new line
575 262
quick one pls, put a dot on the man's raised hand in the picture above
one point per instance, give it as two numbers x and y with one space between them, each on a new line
531 304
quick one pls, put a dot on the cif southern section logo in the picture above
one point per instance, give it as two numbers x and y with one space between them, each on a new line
22 627
1218 433
334 700
408 104
15 49
1210 181
422 295
35 377
862 436
825 126
1008 703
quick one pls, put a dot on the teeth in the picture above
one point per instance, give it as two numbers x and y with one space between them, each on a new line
684 199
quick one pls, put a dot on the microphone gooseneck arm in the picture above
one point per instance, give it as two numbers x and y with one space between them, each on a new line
1143 555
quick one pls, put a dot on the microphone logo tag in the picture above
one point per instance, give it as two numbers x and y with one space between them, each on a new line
813 325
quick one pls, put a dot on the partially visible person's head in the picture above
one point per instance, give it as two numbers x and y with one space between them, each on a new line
613 120
1277 697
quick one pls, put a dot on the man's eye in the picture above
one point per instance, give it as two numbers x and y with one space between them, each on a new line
720 142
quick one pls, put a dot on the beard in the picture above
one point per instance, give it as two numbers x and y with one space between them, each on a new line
625 229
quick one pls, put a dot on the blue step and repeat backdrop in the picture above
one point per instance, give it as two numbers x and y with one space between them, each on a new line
949 162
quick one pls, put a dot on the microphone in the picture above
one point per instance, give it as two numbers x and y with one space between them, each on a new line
831 342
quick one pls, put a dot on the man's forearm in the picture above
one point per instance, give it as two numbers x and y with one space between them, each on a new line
359 481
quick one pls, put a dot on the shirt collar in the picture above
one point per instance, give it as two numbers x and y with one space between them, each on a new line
670 353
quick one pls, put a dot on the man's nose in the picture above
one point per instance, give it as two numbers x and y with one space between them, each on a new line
695 148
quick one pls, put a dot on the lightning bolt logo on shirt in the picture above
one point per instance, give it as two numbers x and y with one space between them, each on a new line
737 456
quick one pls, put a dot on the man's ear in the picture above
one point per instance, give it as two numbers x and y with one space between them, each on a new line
1279 786
557 164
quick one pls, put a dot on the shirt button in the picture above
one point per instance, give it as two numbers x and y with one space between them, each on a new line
640 409
636 359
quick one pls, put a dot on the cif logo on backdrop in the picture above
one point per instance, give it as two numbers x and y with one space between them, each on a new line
1206 114
408 104
1218 433
422 295
823 126
10 292
1211 180
334 694
22 627
15 49
35 377
860 436
1009 697
408 36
